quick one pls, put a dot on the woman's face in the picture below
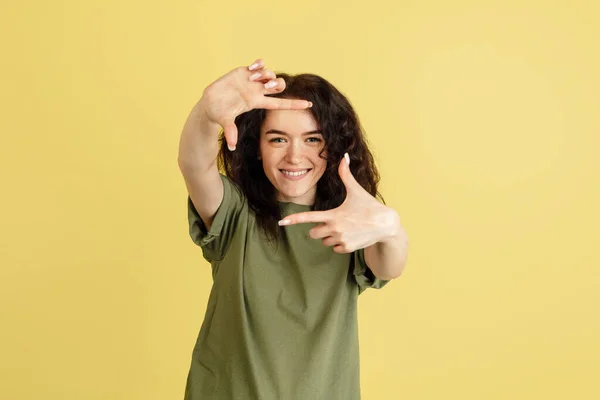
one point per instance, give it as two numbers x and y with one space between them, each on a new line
290 144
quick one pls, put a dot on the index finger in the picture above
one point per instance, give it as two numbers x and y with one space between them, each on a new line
306 217
275 103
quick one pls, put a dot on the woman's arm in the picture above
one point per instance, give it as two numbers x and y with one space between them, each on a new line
198 150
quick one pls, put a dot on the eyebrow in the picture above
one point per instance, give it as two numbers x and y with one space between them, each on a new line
278 132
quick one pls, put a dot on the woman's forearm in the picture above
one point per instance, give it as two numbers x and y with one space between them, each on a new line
387 257
198 145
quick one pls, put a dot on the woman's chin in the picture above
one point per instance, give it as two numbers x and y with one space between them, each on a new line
294 195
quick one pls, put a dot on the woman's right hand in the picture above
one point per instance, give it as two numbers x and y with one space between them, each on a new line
241 90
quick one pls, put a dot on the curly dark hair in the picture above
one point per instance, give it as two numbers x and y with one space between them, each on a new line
341 131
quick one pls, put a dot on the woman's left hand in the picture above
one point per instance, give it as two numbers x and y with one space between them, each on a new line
358 222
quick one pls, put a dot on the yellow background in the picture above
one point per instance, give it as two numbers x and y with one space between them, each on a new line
483 116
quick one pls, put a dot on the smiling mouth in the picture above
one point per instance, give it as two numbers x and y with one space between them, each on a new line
295 173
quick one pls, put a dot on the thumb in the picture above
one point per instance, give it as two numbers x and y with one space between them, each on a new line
345 173
231 134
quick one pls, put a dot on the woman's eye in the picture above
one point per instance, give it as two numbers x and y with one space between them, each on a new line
277 140
314 139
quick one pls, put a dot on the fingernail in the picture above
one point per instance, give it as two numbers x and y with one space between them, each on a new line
270 84
253 66
310 104
255 76
284 222
231 148
347 157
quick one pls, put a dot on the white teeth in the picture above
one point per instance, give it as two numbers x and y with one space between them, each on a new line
295 173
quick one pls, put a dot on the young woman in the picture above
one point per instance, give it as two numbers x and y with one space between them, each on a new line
293 232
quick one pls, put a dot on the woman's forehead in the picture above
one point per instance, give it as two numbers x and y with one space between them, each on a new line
290 121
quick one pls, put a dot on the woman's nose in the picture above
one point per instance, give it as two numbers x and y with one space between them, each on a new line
294 153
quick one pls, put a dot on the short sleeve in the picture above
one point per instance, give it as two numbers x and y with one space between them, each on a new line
215 241
363 274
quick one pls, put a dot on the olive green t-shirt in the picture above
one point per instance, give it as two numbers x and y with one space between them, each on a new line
281 319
